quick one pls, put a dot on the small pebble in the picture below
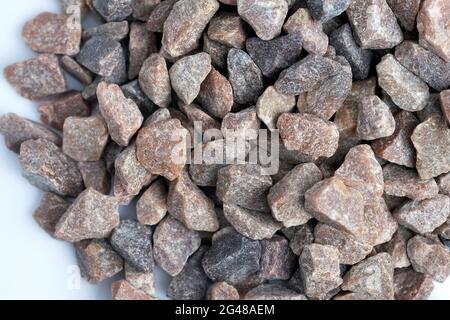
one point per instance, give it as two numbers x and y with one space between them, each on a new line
113 10
278 262
155 82
216 94
115 30
152 206
144 281
412 285
324 10
50 210
375 120
142 44
222 291
95 176
123 290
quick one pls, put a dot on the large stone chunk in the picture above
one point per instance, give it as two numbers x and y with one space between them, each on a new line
216 94
308 134
287 197
92 216
319 266
161 148
406 90
173 245
424 216
185 24
37 78
405 11
232 258
244 76
375 119
265 16
373 276
429 257
271 105
187 75
334 203
252 224
434 30
412 285
325 10
245 186
48 168
399 148
374 24
191 206
432 142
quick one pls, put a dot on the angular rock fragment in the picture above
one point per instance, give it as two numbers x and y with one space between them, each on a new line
434 31
424 64
143 281
84 139
266 17
402 182
17 130
159 14
155 82
406 90
405 11
122 115
271 105
216 94
424 216
152 206
305 75
444 184
373 276
301 237
133 241
191 206
396 247
232 258
142 44
217 51
50 210
314 40
116 30
143 8
113 10
379 226
432 142
132 90
275 55
53 33
76 70
48 168
92 216
308 134
228 29
412 285
278 262
351 251
287 197
37 78
245 77
375 120
173 245
398 148
222 291
429 257
243 125
95 176
245 186
334 203
123 290
345 45
324 10
252 224
319 266
184 26
374 24
97 260
273 292
444 97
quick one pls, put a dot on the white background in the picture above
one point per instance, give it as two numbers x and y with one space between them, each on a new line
32 264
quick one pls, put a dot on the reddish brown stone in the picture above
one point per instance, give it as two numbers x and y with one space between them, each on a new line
50 210
412 285
445 104
143 8
222 291
216 94
159 14
242 125
396 247
155 82
271 105
141 280
277 259
228 29
142 44
152 206
95 176
75 69
444 184
197 116
273 292
375 120
217 51
379 226
123 290
405 11
301 237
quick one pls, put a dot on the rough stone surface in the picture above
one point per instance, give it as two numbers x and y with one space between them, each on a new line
275 55
243 125
116 30
287 197
144 281
50 210
375 119
184 26
245 77
271 105
152 206
406 90
374 24
97 260
245 186
302 236
266 17
273 292
319 266
314 40
405 11
399 148
228 29
133 241
187 75
37 78
217 51
444 184
173 245
434 30
123 290
216 94
132 90
159 14
396 247
143 8
232 258
412 285
379 225
373 276
95 176
432 142
155 82
92 216
444 98
429 257
278 262
76 70
48 168
325 10
142 44
113 10
191 206
222 291
308 134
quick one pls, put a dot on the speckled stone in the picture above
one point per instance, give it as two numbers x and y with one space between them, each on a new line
95 176
50 210
144 281
444 98
229 29
123 290
271 105
301 237
278 262
396 247
375 119
143 8
325 10
76 70
273 292
142 44
132 90
116 30
151 208
243 125
405 11
155 81
379 226
216 94
217 51
113 10
444 184
412 285
222 291
159 14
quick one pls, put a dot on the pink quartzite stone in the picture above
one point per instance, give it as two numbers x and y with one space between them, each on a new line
50 210
159 14
155 82
375 120
396 247
123 290
152 206
216 94
142 44
277 259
